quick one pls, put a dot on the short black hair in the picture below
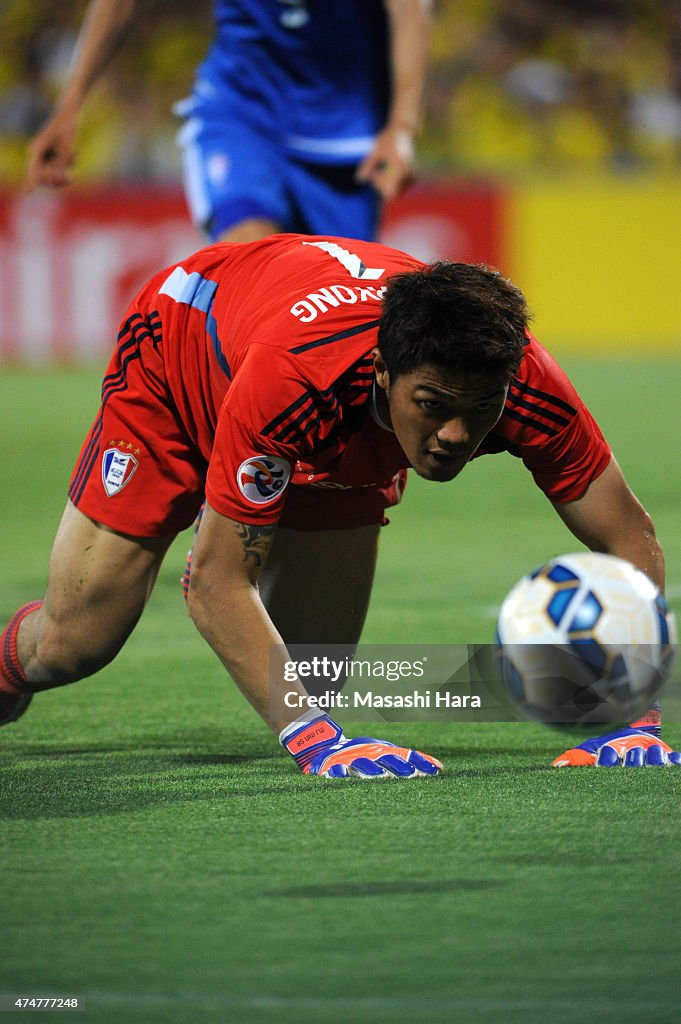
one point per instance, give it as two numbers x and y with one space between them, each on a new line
464 317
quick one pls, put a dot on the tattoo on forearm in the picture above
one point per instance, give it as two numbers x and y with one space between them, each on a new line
256 541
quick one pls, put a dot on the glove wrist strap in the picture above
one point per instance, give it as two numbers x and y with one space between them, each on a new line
651 722
309 734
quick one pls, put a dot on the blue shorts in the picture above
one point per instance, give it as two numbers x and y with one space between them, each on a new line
233 173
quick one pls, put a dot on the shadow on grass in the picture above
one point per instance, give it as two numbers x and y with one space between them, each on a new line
405 887
86 782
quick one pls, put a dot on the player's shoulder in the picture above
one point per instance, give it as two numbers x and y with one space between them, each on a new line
285 257
540 370
361 259
541 400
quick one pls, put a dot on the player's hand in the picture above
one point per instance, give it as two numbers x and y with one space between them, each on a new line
389 167
319 747
631 747
52 151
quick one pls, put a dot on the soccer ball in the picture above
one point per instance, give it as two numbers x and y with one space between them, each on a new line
585 638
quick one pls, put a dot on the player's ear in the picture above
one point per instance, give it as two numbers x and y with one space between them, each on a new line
381 370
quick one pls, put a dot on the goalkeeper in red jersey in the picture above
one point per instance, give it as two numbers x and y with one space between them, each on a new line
291 383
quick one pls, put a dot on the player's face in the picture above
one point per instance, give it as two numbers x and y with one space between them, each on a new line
440 418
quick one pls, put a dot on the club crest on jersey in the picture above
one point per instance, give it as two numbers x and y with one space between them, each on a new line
118 469
262 478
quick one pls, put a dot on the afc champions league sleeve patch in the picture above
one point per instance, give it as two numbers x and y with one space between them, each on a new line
118 469
262 478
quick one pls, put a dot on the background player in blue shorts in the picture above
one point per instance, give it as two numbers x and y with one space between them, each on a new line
302 117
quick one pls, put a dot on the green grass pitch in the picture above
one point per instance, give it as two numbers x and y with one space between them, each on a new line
163 859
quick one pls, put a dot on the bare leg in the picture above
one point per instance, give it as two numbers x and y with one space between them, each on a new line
316 585
98 584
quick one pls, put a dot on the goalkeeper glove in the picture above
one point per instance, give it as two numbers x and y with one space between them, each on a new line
319 747
631 747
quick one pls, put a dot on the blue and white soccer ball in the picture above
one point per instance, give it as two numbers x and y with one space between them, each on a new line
585 638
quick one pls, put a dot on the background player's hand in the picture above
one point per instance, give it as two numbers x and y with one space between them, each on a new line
52 151
389 167
319 747
631 747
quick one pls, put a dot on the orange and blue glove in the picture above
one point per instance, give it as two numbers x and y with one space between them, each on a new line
319 747
631 747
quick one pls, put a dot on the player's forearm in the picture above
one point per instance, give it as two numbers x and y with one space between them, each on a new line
409 22
632 538
104 27
236 625
642 549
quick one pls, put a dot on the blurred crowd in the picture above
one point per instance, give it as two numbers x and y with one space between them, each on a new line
528 84
514 86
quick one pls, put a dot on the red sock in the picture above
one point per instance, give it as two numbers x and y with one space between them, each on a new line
12 676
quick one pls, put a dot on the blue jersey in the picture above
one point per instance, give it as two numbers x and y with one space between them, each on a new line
312 74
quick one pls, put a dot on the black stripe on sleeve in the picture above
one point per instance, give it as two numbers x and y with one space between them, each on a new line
351 331
544 396
530 422
537 409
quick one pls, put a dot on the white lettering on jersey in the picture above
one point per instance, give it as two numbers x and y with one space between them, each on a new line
343 293
323 299
314 303
352 263
303 307
307 309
